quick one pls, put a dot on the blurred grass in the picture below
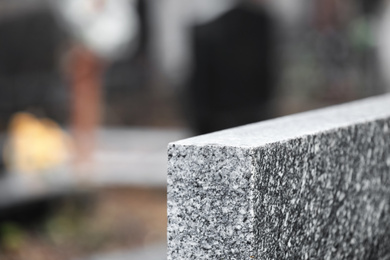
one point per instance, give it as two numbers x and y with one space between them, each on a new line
117 219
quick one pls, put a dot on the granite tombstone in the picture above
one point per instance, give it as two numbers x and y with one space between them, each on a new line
314 185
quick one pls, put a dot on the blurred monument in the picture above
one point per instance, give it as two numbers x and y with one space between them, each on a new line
30 45
234 71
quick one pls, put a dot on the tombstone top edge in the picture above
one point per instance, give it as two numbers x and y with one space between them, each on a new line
295 126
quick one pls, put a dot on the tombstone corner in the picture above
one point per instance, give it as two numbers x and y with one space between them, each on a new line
308 186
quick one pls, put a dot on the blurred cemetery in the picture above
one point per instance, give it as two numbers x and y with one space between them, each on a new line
92 91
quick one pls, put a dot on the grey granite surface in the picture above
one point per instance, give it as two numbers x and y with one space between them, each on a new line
314 185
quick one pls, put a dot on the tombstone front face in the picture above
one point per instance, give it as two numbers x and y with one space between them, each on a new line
310 186
210 202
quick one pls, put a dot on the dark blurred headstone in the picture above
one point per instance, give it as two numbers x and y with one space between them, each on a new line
234 69
30 48
371 6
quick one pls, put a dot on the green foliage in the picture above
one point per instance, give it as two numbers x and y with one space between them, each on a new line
11 236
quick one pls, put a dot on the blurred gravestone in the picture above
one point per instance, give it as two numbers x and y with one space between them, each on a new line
309 186
234 70
29 76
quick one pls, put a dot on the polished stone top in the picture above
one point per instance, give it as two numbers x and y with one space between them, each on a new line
297 125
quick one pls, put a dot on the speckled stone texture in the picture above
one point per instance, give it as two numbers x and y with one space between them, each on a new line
314 185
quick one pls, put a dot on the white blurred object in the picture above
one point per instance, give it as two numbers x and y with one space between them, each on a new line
206 10
289 12
171 21
107 27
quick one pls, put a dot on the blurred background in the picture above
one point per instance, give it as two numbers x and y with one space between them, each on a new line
92 91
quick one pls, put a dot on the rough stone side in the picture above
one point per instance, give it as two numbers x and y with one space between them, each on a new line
309 186
210 203
325 196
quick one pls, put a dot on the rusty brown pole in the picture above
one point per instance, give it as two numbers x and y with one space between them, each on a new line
85 70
